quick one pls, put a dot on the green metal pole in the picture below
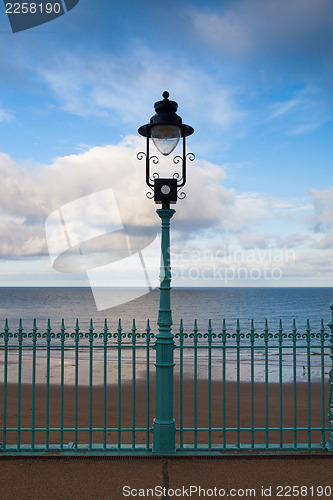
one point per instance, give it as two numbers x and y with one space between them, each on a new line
164 427
330 404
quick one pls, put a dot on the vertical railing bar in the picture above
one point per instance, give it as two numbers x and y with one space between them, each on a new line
322 362
91 335
62 335
238 382
195 338
267 335
280 335
105 336
148 334
210 336
76 334
308 342
224 339
294 338
330 401
7 334
133 335
252 383
119 336
33 409
48 363
182 335
20 334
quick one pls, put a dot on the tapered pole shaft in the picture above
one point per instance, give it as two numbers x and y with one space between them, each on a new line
164 428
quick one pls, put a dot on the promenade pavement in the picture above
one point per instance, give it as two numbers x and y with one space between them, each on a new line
117 478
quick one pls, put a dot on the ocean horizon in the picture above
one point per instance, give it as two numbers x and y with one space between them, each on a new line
188 303
202 304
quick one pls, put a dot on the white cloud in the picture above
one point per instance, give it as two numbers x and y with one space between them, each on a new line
28 199
122 88
323 204
210 216
321 222
281 108
5 115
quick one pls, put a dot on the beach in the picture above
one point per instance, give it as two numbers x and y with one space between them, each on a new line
104 478
252 411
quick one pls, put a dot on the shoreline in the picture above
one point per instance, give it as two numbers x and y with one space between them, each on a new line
245 374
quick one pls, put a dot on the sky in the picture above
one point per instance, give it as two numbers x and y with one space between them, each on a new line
254 78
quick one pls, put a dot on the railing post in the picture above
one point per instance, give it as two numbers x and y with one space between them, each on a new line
164 428
330 404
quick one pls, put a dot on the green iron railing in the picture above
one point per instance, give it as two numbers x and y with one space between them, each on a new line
95 392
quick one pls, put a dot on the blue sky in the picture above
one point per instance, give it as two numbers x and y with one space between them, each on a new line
253 77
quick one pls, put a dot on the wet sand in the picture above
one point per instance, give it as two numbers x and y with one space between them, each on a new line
250 411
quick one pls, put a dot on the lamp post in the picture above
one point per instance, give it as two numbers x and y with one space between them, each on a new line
165 129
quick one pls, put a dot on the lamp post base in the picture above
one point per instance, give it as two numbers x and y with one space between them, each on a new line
164 433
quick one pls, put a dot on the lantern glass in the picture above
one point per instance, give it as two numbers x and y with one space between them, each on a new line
165 138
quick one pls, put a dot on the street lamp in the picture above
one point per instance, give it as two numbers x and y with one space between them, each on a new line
165 129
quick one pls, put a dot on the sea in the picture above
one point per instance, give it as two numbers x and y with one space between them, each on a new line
188 304
202 304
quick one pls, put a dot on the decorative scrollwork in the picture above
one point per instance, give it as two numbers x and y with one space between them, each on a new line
190 156
322 335
141 155
181 195
177 159
210 336
154 159
224 336
155 175
266 336
294 336
150 195
176 175
252 336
